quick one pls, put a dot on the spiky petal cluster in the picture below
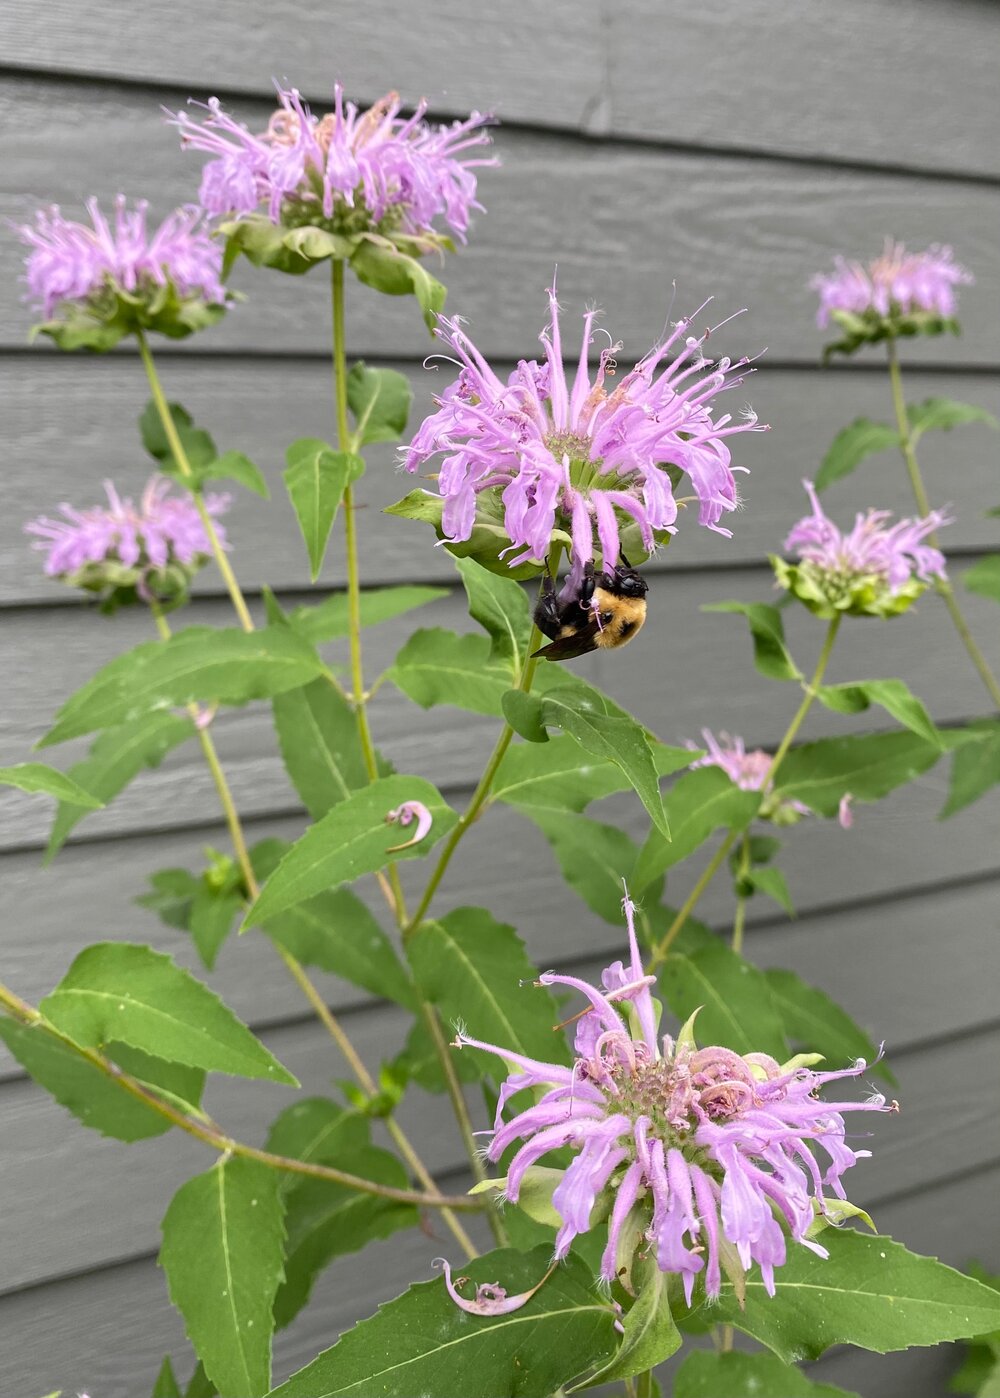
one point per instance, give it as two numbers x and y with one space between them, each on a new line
71 262
305 168
579 453
870 571
712 1156
898 282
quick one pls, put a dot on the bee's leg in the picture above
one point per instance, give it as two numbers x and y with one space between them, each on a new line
547 610
587 586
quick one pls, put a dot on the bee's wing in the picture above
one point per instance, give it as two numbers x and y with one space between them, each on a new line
569 647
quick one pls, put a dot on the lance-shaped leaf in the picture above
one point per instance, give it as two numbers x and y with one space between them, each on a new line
975 767
501 608
736 1007
222 1254
894 696
37 777
90 1094
437 666
331 618
771 656
116 992
352 839
116 757
476 971
166 1385
198 445
733 1375
650 1334
984 577
198 664
697 804
234 466
563 776
316 478
378 264
423 1343
380 401
820 774
316 1129
937 413
870 1292
850 447
771 882
318 736
594 858
816 1024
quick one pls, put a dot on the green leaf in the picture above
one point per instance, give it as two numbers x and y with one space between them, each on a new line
850 447
380 265
616 737
650 1334
595 859
318 736
222 1253
944 413
975 767
816 1024
771 656
201 1386
198 445
198 664
892 695
316 1129
771 881
352 839
984 577
418 1062
316 479
423 1343
116 757
234 466
476 971
440 667
380 401
210 919
37 777
502 610
563 776
867 768
697 804
736 1007
116 992
87 1092
732 1375
171 895
870 1292
166 1385
331 619
525 715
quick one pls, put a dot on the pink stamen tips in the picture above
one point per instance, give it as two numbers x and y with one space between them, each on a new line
405 815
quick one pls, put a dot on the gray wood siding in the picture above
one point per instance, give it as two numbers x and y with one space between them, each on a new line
730 148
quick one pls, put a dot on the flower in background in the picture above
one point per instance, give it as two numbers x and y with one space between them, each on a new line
899 293
96 283
751 772
123 551
576 457
872 571
713 1158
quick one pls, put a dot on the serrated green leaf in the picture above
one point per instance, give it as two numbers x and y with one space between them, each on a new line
117 992
697 804
331 618
736 1007
316 1129
870 1292
234 466
35 777
166 1385
423 1343
318 736
199 664
201 1386
732 1375
222 1254
502 610
595 859
198 445
984 577
650 1335
476 971
316 478
771 881
87 1092
771 656
211 917
380 400
171 894
116 757
894 696
378 264
561 775
850 447
816 1024
975 768
352 839
820 774
935 413
437 666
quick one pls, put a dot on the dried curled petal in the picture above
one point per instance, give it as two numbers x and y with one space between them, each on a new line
490 1298
406 814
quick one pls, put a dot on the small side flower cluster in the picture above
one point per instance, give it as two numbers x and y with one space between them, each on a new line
751 771
711 1158
97 283
585 462
123 551
872 571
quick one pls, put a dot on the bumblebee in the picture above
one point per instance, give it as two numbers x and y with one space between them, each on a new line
606 612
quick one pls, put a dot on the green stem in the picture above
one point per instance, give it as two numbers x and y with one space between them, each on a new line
740 916
942 585
715 863
184 466
644 1384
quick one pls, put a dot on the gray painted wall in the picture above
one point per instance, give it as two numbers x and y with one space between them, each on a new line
732 148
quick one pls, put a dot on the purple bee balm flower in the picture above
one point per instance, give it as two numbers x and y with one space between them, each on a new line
715 1158
72 263
750 772
126 545
353 169
898 282
576 455
872 571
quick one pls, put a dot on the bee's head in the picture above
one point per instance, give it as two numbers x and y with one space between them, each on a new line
626 582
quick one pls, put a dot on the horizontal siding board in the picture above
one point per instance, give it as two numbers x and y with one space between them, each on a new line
624 224
87 434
